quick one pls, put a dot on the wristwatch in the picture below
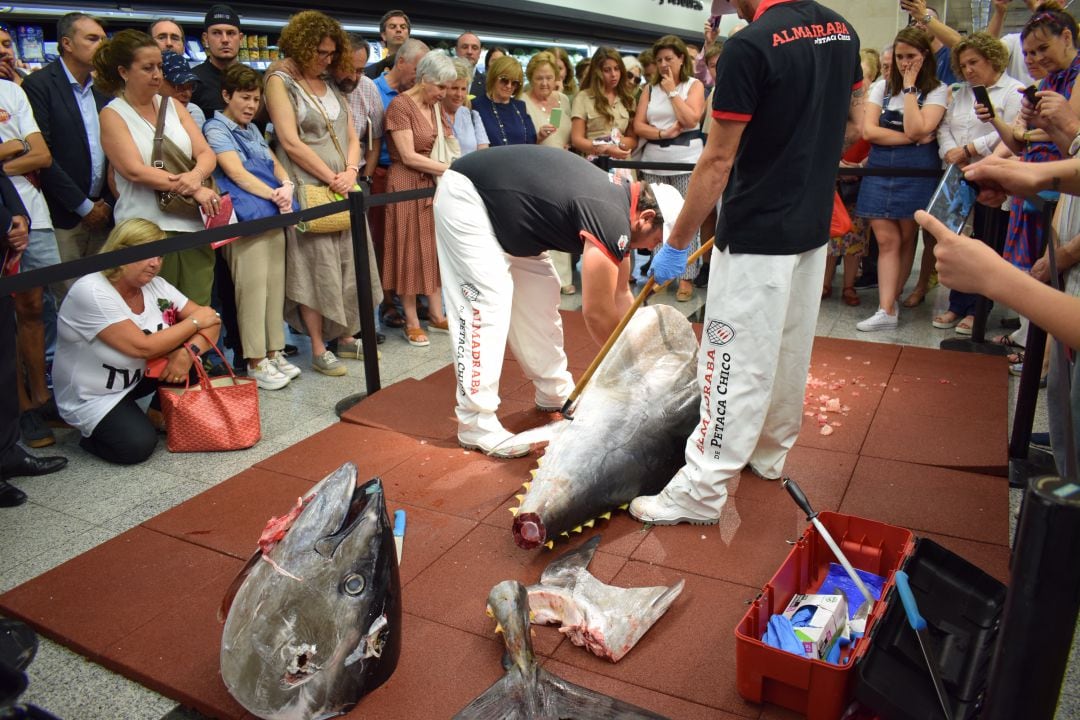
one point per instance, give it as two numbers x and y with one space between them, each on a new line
910 90
927 18
673 94
1074 146
195 348
25 148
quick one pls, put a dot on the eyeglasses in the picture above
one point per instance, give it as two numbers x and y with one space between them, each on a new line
325 54
507 81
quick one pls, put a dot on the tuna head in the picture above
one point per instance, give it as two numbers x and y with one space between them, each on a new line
628 433
316 622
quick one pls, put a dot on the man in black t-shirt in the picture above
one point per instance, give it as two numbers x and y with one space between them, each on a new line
788 98
221 37
497 213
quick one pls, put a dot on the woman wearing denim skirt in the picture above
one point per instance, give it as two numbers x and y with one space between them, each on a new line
900 121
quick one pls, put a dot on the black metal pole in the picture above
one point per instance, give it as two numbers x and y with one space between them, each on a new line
1032 648
362 265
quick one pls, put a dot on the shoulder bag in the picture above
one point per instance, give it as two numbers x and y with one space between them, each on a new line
166 155
446 149
312 195
249 206
220 413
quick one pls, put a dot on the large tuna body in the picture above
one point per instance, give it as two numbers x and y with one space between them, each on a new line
628 434
316 623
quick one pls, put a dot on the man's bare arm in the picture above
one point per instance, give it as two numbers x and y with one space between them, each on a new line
853 128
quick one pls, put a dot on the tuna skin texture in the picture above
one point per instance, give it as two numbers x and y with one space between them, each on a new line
628 433
316 624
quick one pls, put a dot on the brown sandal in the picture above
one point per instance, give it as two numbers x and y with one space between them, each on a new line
416 337
826 292
851 297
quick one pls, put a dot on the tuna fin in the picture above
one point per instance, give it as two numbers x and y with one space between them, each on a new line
534 471
562 569
560 699
550 544
519 498
498 628
589 523
515 511
526 485
624 507
606 516
577 529
234 586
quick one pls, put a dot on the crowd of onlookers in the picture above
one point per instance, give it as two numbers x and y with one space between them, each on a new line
122 141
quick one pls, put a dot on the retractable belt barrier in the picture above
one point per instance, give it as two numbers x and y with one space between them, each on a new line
186 241
607 163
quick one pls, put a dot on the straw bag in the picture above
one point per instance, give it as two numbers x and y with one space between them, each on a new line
311 196
220 413
166 155
446 149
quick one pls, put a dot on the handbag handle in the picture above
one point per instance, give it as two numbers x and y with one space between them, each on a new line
204 379
329 125
159 135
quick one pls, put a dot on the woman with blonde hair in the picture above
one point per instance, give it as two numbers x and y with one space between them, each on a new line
542 98
318 146
506 119
111 326
667 119
565 80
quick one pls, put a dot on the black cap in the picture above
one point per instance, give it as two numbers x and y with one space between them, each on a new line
221 15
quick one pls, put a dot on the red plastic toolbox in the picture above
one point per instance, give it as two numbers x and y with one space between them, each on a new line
815 688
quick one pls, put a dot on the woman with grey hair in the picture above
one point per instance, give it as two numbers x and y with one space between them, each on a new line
457 111
410 265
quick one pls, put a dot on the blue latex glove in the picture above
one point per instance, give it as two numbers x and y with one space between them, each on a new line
781 636
668 264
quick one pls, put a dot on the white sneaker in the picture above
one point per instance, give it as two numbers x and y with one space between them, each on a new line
660 510
880 320
267 376
283 366
494 444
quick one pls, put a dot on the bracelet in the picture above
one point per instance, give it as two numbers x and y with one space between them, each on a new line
659 134
194 322
967 153
355 168
287 182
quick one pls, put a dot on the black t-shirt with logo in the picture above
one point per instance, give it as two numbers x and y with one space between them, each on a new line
789 76
545 198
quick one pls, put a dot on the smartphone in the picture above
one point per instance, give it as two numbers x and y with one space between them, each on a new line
556 117
953 200
714 22
1029 93
982 97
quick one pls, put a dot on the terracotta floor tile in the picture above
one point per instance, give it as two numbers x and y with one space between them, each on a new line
854 356
621 534
666 705
440 671
775 712
230 516
908 396
977 445
990 558
421 408
454 589
822 474
105 594
428 535
953 365
746 547
930 499
858 389
700 625
446 478
177 654
374 452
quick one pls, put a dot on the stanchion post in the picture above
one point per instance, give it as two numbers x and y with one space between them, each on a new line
362 265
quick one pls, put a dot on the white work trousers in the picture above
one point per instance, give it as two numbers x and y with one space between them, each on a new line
493 297
760 318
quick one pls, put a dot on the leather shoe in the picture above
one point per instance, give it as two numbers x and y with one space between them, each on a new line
31 465
10 496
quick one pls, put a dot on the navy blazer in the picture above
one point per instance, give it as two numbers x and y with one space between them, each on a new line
66 183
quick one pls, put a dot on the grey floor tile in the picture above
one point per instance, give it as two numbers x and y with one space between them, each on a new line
211 468
69 686
33 529
1068 707
57 553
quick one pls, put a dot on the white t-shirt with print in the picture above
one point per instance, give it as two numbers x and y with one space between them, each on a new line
89 376
17 123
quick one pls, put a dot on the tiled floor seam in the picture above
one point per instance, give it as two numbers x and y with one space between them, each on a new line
487 636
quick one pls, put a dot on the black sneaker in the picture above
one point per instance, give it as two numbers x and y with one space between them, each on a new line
35 431
1040 440
866 282
702 279
290 350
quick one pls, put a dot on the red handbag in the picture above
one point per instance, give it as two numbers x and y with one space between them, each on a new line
220 413
841 221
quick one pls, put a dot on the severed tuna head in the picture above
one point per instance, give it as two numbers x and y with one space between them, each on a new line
628 434
316 619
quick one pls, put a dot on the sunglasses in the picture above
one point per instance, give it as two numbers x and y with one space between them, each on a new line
507 81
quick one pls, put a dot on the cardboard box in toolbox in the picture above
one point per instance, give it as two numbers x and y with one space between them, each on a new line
814 687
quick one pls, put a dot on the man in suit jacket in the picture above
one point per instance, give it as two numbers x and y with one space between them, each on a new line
14 461
469 48
66 108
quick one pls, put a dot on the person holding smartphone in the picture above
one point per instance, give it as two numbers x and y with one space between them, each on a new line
964 136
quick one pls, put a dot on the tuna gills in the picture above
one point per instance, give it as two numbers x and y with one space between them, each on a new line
527 691
607 620
628 434
316 622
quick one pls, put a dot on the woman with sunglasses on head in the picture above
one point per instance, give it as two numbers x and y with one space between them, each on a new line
668 119
506 119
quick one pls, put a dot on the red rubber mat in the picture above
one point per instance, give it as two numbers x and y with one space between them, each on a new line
144 603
